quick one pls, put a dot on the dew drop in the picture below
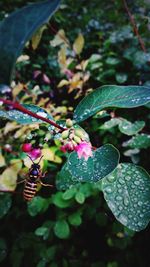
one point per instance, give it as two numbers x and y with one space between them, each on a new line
111 178
108 189
123 219
127 178
121 181
126 201
137 182
139 203
118 198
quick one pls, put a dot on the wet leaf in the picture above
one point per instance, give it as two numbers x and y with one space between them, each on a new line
127 193
110 124
111 96
105 160
139 141
22 118
64 179
129 128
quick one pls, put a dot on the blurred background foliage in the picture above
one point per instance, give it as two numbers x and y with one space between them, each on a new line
85 45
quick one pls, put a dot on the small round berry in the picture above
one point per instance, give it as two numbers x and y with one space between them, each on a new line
35 153
27 147
65 134
69 123
77 139
79 133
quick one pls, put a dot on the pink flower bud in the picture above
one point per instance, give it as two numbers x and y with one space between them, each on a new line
36 73
27 147
35 153
46 79
84 150
67 147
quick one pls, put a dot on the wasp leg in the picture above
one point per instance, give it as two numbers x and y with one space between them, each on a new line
50 185
20 182
42 175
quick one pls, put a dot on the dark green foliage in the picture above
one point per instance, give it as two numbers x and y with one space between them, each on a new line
74 227
17 29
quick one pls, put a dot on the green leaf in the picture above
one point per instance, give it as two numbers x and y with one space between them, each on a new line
68 194
61 229
110 124
37 205
139 141
112 61
111 96
129 128
64 179
127 193
59 201
121 77
125 126
75 219
5 204
41 231
17 29
79 197
22 118
105 159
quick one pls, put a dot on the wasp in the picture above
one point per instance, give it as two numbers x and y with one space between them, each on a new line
31 182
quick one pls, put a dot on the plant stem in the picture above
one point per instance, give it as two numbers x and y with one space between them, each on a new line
135 28
19 107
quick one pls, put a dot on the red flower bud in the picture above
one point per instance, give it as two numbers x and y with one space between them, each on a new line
27 147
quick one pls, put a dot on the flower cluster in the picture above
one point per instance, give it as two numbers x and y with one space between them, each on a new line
76 140
34 153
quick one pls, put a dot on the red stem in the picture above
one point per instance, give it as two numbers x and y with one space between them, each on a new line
19 107
135 28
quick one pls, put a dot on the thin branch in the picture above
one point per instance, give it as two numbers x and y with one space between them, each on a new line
19 107
135 28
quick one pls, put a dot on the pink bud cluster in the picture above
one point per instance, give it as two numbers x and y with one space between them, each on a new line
76 140
34 153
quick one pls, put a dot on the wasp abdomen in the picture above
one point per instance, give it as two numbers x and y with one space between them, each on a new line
29 190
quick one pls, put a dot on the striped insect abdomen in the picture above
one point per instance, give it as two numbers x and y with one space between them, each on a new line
29 190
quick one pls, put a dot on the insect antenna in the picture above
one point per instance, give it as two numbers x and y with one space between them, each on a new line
30 158
40 159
